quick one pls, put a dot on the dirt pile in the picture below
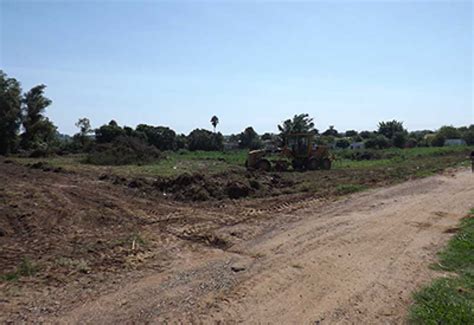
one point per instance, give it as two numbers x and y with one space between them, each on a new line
44 166
199 187
230 185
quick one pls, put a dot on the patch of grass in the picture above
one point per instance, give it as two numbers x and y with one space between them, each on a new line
170 164
450 300
214 162
10 277
349 188
459 254
425 173
396 156
80 265
26 268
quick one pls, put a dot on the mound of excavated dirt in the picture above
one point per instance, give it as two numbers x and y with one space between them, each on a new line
230 185
199 187
44 166
236 190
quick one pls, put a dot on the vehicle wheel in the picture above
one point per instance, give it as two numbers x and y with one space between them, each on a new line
326 164
313 164
264 165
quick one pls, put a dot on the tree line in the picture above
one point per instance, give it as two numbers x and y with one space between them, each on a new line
24 128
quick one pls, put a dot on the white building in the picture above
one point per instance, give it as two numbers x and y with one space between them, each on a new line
454 142
357 145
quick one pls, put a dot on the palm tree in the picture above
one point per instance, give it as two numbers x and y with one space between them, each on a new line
301 123
214 122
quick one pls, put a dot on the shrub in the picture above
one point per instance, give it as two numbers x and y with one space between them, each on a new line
26 268
123 151
399 139
468 135
366 134
378 142
342 143
438 140
366 155
181 141
411 143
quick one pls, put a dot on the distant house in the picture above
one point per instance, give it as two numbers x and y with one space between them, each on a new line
454 142
357 145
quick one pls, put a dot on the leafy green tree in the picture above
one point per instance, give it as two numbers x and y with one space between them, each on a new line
130 132
10 113
326 140
331 132
356 138
301 123
438 140
214 122
420 136
108 132
200 139
399 139
249 139
181 141
82 141
39 130
351 133
161 137
84 126
267 136
342 143
443 134
468 135
367 134
449 132
389 129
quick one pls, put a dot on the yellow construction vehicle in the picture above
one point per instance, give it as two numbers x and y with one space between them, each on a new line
299 151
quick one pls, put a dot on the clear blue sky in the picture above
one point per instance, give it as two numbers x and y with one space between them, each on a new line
178 63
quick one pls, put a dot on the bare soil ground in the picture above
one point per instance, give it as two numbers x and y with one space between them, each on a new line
108 253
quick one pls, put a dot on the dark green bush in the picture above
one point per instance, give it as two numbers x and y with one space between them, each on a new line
200 139
378 142
123 151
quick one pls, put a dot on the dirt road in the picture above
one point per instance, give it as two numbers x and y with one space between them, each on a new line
356 260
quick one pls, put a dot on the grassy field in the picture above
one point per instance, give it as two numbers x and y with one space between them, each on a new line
450 300
175 163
